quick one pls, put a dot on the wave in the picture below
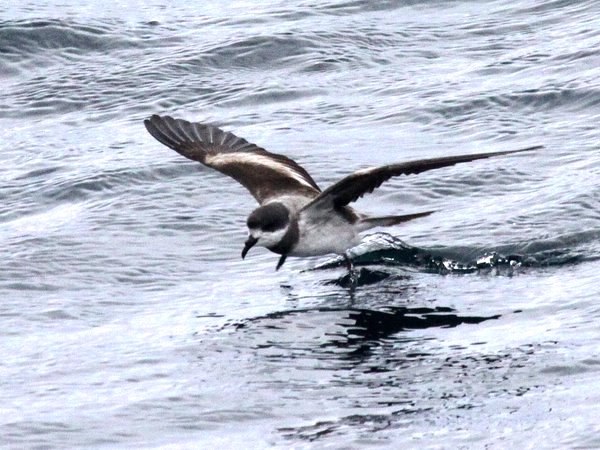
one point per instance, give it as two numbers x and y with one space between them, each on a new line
536 99
22 38
384 250
85 185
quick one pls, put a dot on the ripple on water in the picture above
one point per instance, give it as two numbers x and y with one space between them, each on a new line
129 319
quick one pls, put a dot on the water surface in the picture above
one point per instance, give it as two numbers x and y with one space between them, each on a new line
128 318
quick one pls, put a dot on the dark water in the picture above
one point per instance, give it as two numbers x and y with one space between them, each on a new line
128 318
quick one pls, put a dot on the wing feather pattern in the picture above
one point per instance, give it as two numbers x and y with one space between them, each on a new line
264 174
354 186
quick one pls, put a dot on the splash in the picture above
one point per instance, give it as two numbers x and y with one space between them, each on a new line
385 249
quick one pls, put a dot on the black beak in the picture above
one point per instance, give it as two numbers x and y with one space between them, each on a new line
250 242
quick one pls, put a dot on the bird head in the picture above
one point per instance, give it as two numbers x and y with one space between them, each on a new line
267 225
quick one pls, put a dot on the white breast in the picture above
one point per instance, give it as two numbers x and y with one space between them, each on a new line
330 233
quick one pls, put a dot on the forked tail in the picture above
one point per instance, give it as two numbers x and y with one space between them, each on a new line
386 221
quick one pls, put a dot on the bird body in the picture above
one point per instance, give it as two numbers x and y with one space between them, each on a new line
295 217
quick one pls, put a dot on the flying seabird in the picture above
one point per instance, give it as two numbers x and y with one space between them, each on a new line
295 217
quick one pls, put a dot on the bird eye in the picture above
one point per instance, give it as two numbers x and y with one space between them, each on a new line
271 226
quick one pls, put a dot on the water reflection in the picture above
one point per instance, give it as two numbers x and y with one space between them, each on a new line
359 331
364 371
379 366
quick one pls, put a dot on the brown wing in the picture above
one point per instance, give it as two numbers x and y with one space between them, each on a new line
361 182
263 173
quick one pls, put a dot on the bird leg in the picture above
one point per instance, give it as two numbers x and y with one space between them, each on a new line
352 274
348 262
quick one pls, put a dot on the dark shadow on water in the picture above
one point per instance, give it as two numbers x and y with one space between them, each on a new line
364 277
381 365
373 422
380 324
359 331
380 368
376 324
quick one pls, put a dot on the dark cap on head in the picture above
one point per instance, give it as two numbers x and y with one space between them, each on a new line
270 217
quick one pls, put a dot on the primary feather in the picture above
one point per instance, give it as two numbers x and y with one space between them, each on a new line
263 173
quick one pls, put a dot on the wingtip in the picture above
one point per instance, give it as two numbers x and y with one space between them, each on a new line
520 150
151 124
157 118
533 147
150 121
162 129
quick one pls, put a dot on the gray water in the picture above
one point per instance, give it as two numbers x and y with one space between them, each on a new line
127 317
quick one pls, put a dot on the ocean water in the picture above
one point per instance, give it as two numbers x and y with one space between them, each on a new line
128 319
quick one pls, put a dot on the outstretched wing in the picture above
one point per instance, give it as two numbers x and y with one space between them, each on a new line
363 181
263 173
